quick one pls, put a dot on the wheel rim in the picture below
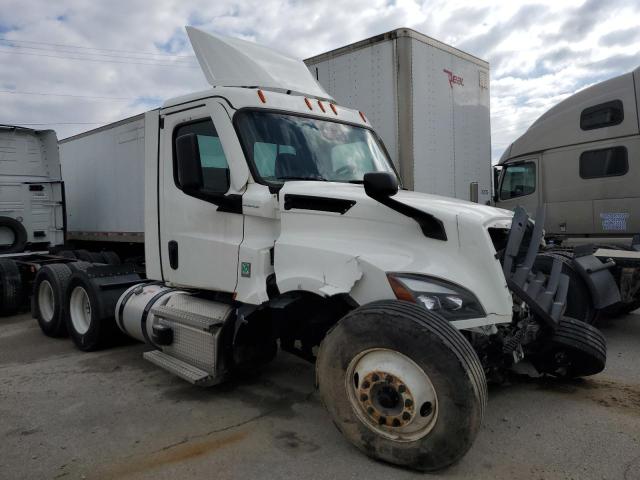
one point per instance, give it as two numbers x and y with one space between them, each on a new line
46 301
80 310
391 394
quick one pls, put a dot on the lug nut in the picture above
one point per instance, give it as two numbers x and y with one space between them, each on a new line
375 377
370 410
366 384
364 397
382 421
389 379
406 416
396 422
408 403
402 388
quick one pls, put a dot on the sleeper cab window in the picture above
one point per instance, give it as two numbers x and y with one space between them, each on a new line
518 180
212 167
605 162
603 115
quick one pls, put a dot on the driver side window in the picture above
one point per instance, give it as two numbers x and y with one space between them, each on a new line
518 180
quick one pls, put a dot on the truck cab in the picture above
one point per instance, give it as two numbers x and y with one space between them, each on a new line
580 161
31 190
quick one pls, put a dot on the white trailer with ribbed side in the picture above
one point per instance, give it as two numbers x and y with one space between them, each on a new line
428 101
274 219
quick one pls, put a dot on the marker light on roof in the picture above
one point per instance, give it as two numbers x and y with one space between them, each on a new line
263 99
333 107
363 117
308 102
321 106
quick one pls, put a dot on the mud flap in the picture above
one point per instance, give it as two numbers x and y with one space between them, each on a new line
602 286
545 296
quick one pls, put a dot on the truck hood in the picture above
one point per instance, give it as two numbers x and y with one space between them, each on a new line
334 238
448 210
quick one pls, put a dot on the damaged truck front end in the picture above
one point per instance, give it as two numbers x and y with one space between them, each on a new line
541 331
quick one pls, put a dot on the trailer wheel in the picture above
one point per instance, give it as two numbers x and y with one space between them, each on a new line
14 234
579 305
86 325
402 385
49 289
83 255
575 349
111 258
11 292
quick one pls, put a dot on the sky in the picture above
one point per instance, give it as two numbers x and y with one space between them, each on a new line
73 65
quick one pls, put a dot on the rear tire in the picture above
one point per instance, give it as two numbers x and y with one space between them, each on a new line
11 291
575 349
83 255
49 289
88 325
402 385
111 258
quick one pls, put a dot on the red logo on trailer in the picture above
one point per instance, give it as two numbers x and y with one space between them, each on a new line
453 78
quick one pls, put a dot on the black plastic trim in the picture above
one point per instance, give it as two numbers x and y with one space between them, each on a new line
432 227
322 204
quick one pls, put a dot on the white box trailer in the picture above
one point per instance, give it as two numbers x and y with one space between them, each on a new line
103 170
31 193
428 101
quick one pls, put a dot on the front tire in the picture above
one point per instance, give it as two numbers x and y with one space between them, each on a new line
402 385
575 349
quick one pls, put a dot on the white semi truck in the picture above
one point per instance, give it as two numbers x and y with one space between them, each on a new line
31 193
273 218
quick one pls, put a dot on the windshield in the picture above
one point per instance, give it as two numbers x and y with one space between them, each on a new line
286 147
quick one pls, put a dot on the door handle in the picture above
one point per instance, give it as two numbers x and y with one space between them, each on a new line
173 254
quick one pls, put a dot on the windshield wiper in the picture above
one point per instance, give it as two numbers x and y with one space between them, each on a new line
316 177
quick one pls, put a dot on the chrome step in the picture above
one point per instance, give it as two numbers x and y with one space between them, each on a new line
195 320
182 369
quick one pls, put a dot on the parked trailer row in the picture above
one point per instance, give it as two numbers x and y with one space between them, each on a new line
273 217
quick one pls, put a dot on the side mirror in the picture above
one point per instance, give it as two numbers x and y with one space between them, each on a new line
380 184
188 162
496 182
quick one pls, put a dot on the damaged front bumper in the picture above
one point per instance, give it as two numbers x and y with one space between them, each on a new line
546 295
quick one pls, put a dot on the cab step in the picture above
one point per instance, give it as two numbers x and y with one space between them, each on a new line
182 369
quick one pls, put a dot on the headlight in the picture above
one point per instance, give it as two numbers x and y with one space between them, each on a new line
451 301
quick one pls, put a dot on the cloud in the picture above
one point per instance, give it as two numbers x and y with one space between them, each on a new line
132 56
621 37
583 19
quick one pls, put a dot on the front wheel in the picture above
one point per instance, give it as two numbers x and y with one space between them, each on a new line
402 385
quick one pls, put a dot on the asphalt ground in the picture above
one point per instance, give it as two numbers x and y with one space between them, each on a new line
65 414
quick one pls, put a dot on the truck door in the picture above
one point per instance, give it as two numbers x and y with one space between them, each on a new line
199 235
519 185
